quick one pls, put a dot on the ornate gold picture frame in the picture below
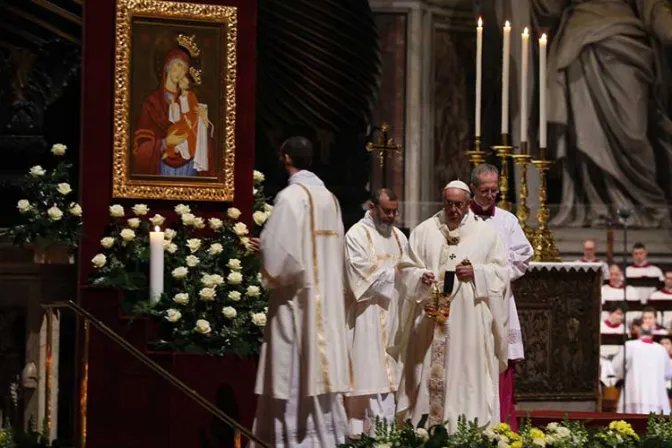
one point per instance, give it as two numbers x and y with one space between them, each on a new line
175 101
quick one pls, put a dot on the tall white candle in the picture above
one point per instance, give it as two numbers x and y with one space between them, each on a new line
525 54
542 91
155 265
506 54
479 75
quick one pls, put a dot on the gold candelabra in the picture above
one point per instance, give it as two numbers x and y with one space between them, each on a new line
543 241
504 151
523 211
476 156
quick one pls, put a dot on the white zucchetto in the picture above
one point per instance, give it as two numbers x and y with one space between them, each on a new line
457 184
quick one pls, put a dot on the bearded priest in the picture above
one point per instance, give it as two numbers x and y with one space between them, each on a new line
454 325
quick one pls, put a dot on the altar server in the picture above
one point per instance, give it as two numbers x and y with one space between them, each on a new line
485 187
457 342
303 368
373 247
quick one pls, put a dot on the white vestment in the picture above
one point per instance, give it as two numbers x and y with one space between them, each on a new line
372 316
520 253
644 271
303 367
453 369
663 295
648 369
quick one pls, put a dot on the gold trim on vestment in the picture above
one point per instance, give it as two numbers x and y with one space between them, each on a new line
326 233
321 342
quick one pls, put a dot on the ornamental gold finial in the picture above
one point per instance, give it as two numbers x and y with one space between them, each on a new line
195 75
189 44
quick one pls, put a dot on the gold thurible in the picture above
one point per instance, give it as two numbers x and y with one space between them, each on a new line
543 241
504 151
523 211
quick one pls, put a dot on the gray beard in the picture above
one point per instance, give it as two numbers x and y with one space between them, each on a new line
383 228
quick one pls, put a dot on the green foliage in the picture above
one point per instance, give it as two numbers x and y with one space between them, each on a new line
49 212
213 300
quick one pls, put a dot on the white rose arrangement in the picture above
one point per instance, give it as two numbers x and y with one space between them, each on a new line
213 300
47 212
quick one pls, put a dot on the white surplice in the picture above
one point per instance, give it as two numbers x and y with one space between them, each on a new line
520 253
645 270
663 295
648 369
303 367
372 315
453 369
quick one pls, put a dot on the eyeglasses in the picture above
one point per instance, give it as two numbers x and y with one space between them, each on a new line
388 211
449 204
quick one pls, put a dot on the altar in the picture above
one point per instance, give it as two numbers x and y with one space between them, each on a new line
559 308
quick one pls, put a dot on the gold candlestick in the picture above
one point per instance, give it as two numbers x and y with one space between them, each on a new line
476 156
523 211
543 241
504 151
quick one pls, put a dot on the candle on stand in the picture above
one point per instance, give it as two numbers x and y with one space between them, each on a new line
525 54
479 75
542 96
506 50
155 265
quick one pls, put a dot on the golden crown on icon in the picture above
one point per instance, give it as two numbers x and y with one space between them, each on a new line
195 75
189 44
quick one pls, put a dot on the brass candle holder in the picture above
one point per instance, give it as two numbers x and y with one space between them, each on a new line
476 156
523 211
543 241
504 151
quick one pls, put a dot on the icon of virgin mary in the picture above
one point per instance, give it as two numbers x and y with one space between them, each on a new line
174 136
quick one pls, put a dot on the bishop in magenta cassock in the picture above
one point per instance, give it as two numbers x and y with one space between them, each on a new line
453 345
485 187
373 247
303 367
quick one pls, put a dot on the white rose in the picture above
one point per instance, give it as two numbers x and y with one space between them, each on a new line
171 248
259 218
259 277
188 219
192 261
140 209
245 241
422 433
234 264
181 298
99 260
503 438
207 294
64 188
202 326
502 444
382 445
563 432
539 442
199 223
127 234
169 234
181 209
55 213
212 280
157 220
258 177
180 272
117 211
234 295
268 208
253 291
240 229
193 244
133 223
229 312
215 249
75 209
490 434
58 149
215 223
24 206
107 242
552 426
234 278
259 319
173 315
254 191
37 171
233 213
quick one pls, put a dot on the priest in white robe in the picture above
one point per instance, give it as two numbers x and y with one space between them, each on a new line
454 345
373 247
303 367
648 368
485 188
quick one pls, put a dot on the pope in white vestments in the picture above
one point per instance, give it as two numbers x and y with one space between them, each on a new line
373 247
303 367
453 351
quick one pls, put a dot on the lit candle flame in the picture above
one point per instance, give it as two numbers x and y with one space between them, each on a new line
543 39
157 229
480 22
526 32
507 25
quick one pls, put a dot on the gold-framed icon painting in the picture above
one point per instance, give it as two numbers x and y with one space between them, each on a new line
175 101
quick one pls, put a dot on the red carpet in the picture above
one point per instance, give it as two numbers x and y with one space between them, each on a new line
590 419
